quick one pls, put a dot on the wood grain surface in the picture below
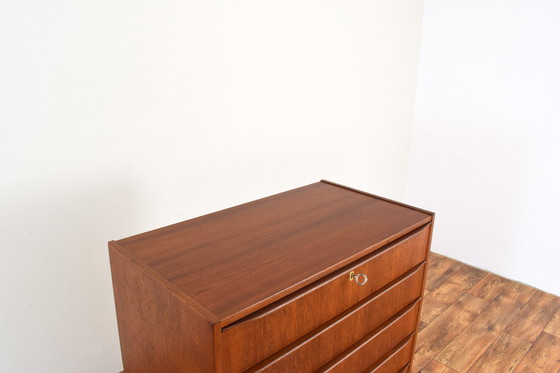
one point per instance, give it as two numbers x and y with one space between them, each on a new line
480 334
496 325
381 267
269 281
544 356
396 360
490 287
436 367
503 355
534 317
553 327
449 291
378 343
240 259
153 337
439 333
324 344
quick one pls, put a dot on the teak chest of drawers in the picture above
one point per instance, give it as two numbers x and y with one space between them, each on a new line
322 278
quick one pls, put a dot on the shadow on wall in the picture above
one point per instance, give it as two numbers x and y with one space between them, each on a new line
57 305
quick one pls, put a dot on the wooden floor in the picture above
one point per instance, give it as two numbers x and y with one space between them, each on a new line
474 321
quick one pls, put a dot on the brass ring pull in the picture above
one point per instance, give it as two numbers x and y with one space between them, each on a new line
356 278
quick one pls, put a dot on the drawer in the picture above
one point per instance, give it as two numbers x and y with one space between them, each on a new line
330 340
289 319
372 348
397 360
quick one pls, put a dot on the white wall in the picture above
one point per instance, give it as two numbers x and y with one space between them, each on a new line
485 153
121 116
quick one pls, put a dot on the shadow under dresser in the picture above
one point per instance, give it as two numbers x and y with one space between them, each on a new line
322 278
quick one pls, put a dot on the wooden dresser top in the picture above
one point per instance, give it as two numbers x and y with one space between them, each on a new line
237 260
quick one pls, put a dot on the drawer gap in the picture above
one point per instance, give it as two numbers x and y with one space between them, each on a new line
391 354
377 331
263 364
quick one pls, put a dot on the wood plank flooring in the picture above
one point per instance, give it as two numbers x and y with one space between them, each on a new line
477 322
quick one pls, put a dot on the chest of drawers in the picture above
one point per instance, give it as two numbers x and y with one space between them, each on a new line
322 278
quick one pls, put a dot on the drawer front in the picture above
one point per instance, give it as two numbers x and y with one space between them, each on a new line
286 321
332 339
398 359
377 344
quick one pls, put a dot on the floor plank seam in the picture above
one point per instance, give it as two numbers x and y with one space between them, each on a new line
511 329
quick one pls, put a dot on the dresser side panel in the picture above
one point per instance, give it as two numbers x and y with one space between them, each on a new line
159 332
